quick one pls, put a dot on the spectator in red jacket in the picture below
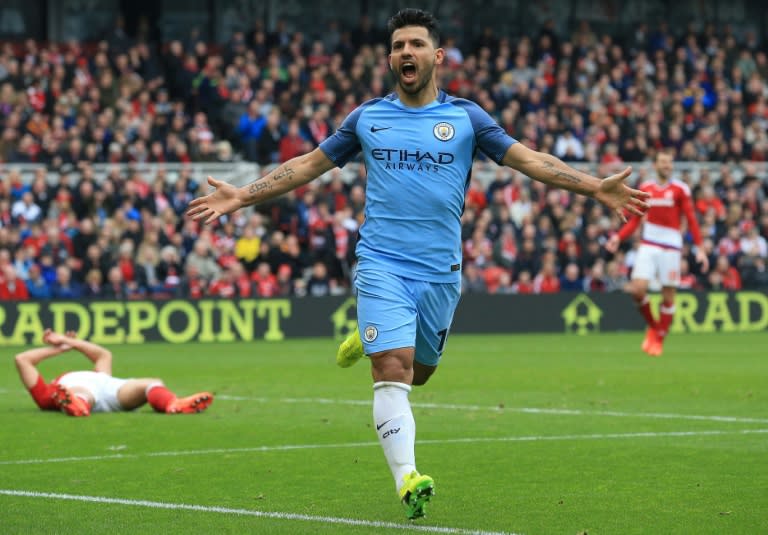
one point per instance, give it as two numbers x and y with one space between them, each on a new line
547 281
12 288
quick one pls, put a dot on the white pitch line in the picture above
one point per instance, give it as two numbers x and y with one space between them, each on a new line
495 408
526 410
247 512
468 440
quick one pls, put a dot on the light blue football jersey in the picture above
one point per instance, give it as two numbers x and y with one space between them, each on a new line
418 162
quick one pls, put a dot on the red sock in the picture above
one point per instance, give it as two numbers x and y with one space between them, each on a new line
644 306
159 397
665 320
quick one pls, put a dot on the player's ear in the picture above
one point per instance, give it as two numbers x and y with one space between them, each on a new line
389 60
439 56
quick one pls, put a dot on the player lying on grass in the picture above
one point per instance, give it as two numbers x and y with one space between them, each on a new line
78 393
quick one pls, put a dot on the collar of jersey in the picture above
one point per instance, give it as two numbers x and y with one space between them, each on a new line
439 100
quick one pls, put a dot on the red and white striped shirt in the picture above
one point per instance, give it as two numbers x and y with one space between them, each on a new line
668 202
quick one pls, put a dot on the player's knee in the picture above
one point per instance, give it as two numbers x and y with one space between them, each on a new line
395 365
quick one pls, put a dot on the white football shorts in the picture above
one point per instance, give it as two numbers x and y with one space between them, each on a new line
102 387
654 263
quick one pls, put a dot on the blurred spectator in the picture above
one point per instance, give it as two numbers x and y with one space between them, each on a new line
37 286
250 127
64 287
546 281
12 288
755 274
595 281
524 284
223 286
25 210
753 244
93 286
724 276
472 280
265 281
688 280
202 260
571 280
319 284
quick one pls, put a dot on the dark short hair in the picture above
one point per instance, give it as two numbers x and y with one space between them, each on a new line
415 17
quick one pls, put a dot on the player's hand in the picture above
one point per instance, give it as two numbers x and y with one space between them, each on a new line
615 194
224 200
703 260
612 245
55 339
51 338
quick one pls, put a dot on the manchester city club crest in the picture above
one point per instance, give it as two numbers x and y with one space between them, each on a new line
370 333
444 131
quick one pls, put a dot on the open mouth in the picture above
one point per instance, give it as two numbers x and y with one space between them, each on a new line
408 72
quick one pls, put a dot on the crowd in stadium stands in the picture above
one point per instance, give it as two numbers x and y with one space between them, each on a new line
267 96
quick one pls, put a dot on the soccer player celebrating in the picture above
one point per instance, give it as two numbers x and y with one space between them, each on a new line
658 257
417 144
79 393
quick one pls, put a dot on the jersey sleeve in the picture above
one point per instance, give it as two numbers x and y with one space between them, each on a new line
344 144
42 394
491 139
690 215
629 227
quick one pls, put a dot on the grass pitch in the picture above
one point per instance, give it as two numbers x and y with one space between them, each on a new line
535 434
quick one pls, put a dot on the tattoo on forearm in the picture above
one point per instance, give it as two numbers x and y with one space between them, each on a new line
262 185
285 172
549 166
258 187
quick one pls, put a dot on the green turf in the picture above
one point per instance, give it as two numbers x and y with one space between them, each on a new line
588 476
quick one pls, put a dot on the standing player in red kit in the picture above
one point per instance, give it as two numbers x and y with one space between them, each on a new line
658 257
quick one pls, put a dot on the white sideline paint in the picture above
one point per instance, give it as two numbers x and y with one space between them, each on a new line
247 512
468 440
527 410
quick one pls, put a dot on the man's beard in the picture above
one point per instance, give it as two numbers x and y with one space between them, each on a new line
420 84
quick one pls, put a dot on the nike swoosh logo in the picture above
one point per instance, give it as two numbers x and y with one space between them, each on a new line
385 423
374 129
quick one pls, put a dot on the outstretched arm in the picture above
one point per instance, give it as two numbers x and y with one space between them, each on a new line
27 361
286 177
552 171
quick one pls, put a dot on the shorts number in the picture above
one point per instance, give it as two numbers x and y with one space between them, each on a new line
442 335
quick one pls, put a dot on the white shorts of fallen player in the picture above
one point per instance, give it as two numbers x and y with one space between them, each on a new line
102 387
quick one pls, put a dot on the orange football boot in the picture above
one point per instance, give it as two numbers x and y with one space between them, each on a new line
69 403
657 346
650 338
190 404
